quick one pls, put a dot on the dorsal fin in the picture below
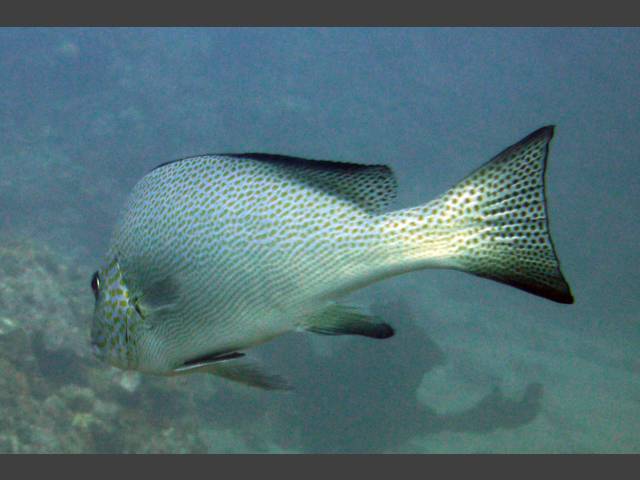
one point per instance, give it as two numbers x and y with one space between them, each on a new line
371 187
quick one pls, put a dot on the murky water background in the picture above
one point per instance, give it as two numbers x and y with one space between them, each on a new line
474 367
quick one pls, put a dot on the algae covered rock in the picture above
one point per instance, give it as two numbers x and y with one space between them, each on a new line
42 292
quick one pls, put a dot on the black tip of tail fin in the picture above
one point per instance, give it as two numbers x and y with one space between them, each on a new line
561 293
501 213
546 131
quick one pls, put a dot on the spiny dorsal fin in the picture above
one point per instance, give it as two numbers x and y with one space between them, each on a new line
371 187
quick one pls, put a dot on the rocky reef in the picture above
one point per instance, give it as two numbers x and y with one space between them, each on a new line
55 397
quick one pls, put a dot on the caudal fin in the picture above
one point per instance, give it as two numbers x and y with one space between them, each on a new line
494 223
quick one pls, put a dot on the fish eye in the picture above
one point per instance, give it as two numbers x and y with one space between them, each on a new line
95 284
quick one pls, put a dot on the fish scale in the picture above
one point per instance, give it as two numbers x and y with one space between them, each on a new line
219 253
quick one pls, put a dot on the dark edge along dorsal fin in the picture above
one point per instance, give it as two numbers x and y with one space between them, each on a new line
371 187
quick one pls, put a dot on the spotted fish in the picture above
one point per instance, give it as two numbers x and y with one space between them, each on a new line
218 253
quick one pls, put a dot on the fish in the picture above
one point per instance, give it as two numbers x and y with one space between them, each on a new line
216 254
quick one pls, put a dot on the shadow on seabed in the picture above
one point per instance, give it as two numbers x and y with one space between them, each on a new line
363 398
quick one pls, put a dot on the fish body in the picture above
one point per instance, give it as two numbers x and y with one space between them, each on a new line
219 253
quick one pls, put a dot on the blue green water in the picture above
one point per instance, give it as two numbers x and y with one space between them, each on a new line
474 367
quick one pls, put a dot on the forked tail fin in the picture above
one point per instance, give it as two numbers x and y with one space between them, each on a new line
492 224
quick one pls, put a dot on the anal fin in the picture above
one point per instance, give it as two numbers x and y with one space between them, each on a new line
346 320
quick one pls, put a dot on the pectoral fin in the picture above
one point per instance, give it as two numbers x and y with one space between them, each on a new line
161 294
226 365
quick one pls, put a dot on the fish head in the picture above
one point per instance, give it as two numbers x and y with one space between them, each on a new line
115 318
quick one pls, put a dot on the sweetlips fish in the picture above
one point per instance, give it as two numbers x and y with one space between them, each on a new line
216 254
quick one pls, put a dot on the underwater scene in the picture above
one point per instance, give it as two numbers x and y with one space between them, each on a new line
458 273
